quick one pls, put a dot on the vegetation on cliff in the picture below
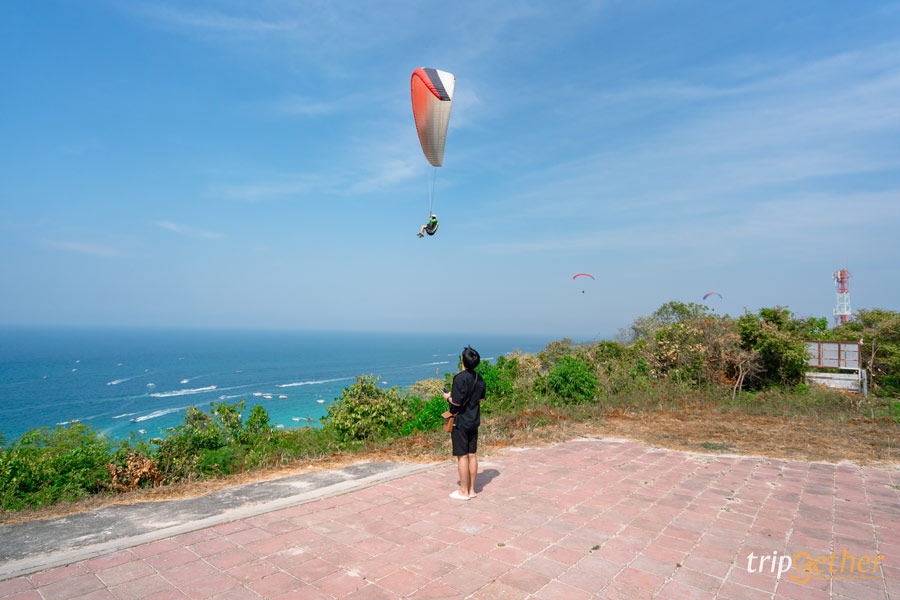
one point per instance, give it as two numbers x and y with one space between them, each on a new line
680 355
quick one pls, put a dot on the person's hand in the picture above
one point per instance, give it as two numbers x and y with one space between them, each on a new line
447 396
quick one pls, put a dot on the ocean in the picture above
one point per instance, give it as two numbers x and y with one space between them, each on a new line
124 381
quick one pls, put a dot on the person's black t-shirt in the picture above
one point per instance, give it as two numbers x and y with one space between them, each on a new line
467 416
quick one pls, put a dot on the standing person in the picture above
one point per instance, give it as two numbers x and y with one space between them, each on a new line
465 405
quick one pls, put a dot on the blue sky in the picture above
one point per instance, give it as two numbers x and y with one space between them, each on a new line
255 164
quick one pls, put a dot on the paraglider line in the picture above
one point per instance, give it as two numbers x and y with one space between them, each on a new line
430 181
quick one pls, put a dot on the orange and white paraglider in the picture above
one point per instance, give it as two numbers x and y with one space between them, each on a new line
432 98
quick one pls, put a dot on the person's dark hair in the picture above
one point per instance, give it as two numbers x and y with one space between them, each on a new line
470 358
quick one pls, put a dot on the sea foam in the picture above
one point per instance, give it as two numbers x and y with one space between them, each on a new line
183 392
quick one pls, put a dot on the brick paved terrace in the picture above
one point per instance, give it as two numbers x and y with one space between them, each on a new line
585 519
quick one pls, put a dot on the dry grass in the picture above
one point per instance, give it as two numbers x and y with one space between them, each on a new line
695 429
859 440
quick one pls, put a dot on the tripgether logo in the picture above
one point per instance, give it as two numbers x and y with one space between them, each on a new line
835 566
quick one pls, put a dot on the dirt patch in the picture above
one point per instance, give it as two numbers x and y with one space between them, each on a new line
860 440
693 429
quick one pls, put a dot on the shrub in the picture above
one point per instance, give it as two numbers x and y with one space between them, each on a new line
428 418
572 380
499 379
195 447
138 470
48 465
554 351
781 352
427 388
366 412
257 425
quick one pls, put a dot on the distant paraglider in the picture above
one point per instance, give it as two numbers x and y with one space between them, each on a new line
432 97
577 275
708 294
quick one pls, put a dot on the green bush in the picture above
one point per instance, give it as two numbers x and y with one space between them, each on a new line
49 465
257 425
366 412
499 379
193 447
572 380
773 335
217 462
428 418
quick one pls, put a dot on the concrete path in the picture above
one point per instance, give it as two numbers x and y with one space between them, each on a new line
584 519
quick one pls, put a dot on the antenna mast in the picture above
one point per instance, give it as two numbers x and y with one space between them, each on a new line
842 312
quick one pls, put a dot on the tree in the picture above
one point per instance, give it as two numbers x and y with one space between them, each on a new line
777 337
644 328
878 331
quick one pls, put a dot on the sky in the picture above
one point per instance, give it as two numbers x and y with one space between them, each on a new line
255 163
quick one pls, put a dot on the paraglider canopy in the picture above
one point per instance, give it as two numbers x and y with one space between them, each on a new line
708 294
432 97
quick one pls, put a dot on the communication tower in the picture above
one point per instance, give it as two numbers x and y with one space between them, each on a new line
842 312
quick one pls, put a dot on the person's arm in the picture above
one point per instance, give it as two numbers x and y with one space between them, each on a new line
457 395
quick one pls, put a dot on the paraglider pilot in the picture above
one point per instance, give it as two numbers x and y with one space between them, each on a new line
430 228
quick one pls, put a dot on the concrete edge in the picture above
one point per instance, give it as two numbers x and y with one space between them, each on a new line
28 566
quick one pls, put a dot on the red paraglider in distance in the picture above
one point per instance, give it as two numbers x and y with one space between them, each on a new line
577 275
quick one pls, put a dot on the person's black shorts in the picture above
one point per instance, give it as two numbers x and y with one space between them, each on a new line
465 441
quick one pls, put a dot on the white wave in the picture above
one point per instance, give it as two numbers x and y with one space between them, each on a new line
183 392
157 413
185 381
124 379
124 415
440 362
313 382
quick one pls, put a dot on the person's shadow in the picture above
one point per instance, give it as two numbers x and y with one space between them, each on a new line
484 478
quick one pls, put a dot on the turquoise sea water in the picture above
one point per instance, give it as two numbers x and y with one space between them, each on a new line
142 380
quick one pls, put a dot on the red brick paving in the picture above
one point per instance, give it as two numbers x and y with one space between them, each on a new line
584 519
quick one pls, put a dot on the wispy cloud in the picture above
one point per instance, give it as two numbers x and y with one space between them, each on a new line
89 248
797 220
829 118
188 230
206 20
386 174
277 188
299 105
